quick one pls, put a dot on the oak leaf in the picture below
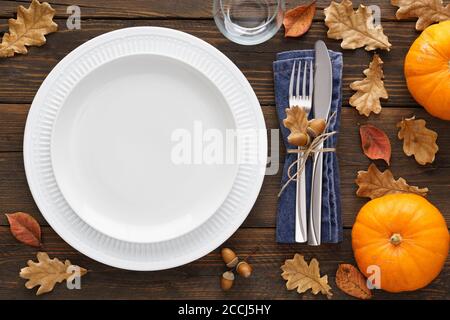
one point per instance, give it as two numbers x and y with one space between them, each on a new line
47 272
418 140
297 21
352 282
296 121
29 29
25 228
428 11
355 28
369 90
301 276
374 184
375 143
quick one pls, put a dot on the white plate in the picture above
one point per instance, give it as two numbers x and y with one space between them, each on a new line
112 145
99 105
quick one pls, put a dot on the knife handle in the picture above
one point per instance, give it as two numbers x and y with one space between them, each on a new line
315 212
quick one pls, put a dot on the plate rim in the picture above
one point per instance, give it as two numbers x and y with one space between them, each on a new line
68 235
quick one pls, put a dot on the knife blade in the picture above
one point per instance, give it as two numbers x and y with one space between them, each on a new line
323 87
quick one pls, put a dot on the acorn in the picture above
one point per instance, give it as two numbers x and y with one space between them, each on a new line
316 127
226 282
244 269
229 257
298 139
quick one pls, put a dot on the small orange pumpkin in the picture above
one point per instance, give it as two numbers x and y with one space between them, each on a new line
405 236
427 70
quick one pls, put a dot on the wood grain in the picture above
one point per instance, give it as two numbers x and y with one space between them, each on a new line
197 280
23 74
15 196
167 9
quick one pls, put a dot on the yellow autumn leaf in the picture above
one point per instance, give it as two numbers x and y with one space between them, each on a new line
301 276
29 29
428 11
355 28
369 90
47 272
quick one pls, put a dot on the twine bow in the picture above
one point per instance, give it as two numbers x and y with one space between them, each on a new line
313 148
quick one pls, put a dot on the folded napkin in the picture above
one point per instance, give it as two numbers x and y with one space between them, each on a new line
331 202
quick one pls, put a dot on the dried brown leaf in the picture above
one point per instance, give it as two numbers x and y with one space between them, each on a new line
25 228
352 282
418 140
355 28
47 272
374 184
370 90
301 276
297 21
375 143
29 29
428 11
296 121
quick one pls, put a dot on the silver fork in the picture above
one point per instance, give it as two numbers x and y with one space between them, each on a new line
303 100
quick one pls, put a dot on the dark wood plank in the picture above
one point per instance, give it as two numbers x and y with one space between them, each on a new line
22 75
15 196
169 9
197 280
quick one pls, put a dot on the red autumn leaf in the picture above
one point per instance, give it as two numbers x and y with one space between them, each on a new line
25 228
298 20
352 282
375 143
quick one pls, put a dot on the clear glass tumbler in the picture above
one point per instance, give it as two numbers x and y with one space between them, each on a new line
248 22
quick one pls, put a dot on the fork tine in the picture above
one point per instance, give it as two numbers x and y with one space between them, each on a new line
291 84
304 81
297 88
311 79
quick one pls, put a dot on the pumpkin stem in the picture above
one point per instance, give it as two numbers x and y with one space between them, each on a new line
396 239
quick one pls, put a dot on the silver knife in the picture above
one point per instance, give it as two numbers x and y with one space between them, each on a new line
323 86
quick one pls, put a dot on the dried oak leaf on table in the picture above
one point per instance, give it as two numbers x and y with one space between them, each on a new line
25 228
428 11
297 21
369 90
375 143
47 272
301 276
355 28
374 184
352 282
418 140
29 29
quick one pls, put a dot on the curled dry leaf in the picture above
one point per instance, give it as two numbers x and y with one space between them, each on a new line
301 276
297 122
355 28
29 29
297 21
352 282
369 90
428 11
25 228
375 143
374 184
47 272
418 140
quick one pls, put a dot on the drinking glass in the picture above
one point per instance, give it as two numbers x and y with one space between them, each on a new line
248 22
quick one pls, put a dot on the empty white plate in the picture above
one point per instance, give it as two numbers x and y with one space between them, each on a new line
113 142
97 148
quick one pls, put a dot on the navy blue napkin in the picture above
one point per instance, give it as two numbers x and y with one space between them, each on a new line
331 202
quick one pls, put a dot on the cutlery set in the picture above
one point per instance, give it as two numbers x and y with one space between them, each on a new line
315 99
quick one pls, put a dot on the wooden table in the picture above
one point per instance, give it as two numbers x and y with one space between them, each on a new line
21 76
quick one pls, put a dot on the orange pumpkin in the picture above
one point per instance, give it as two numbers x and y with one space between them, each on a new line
427 70
403 235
